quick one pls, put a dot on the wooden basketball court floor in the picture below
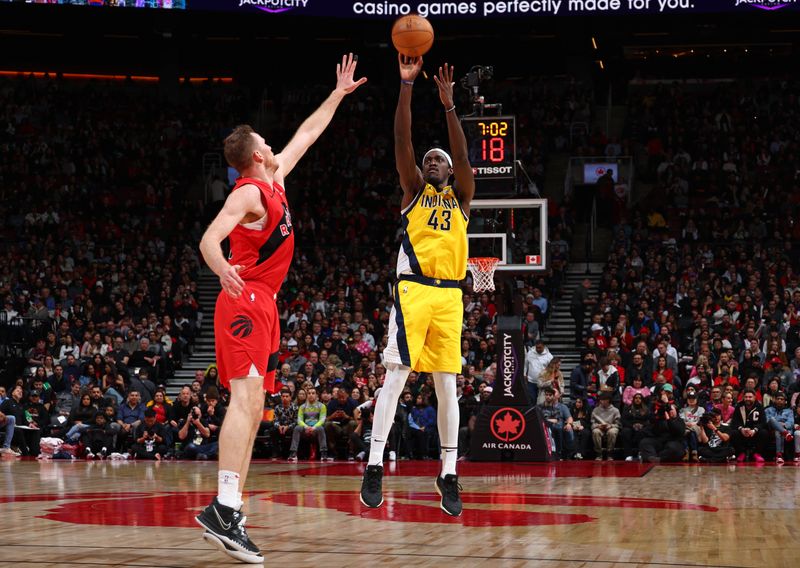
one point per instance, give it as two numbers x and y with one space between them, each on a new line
567 514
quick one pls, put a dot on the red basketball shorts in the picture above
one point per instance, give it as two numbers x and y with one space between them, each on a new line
247 335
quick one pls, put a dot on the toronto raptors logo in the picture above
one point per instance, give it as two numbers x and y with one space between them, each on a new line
507 424
243 326
177 509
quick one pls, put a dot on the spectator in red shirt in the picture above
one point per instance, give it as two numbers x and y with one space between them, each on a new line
751 383
301 301
599 337
725 378
662 369
161 407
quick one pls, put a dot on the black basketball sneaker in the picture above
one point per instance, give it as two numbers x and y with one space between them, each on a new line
225 530
449 490
372 486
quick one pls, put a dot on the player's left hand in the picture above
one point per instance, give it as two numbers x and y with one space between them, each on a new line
231 282
444 80
344 74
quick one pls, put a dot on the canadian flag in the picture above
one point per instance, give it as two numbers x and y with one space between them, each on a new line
533 259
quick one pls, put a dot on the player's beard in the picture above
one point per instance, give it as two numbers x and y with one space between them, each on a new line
435 179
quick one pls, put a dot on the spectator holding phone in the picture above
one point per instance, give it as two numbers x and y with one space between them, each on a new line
149 438
715 438
665 437
196 437
340 422
362 435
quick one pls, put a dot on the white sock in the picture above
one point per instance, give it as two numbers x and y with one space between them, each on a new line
239 499
228 488
385 410
447 420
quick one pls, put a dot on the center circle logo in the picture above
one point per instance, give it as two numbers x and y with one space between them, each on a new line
507 424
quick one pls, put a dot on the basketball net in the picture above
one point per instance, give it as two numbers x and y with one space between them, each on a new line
482 269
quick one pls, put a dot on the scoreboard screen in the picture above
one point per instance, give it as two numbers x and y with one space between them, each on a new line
492 150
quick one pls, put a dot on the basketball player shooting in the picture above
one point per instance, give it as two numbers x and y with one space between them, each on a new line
246 327
426 319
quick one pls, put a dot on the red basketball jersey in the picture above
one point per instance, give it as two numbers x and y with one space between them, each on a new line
264 247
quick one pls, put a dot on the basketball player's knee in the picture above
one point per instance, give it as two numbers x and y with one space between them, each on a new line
250 402
397 367
444 382
256 417
255 409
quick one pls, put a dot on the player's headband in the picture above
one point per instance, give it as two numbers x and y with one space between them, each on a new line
445 154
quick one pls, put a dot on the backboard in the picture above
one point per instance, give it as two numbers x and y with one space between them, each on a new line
513 230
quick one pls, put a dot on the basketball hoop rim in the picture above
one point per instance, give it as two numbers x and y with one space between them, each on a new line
482 269
483 262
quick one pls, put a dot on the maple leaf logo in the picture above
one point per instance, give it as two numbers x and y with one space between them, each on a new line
507 426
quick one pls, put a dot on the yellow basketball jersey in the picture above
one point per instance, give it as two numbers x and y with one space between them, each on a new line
435 236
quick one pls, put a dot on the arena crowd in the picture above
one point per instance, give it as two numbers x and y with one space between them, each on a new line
691 351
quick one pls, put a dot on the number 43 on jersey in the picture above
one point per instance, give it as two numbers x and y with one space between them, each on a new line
440 220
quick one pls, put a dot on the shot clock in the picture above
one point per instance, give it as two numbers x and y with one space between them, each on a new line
492 152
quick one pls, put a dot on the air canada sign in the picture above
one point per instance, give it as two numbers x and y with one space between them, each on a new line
508 427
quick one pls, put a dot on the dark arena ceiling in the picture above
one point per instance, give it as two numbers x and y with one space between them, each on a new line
83 39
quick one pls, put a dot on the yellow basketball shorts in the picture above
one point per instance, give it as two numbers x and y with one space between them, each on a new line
425 325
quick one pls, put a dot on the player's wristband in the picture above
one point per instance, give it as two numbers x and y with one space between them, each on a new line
451 109
404 82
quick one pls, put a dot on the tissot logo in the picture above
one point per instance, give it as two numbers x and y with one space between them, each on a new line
492 170
274 6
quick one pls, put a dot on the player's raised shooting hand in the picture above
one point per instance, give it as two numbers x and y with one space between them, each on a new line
409 67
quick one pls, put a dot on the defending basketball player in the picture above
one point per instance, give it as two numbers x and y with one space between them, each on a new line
425 323
246 327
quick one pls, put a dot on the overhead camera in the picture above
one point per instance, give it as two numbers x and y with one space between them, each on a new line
477 75
472 82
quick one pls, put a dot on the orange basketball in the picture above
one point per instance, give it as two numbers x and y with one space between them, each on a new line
412 35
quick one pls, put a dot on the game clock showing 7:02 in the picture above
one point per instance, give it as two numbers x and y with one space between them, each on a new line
492 146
